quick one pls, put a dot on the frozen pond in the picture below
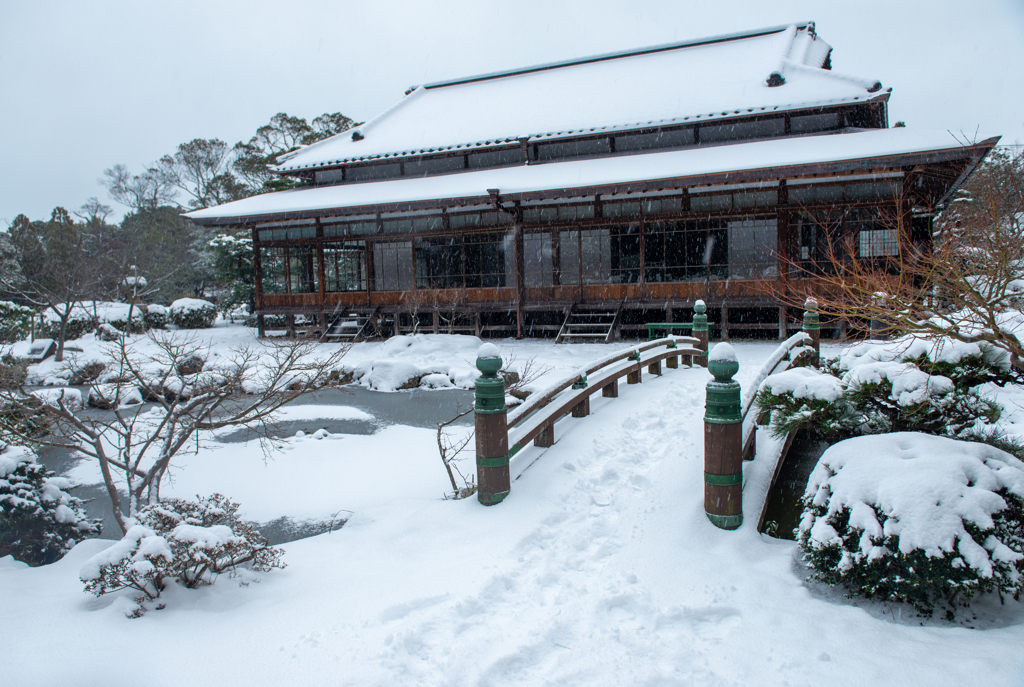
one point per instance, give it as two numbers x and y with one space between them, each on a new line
416 408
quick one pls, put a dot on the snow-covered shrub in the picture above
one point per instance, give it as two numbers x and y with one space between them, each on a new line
117 315
804 397
81 322
39 520
13 371
114 395
192 313
915 518
15 321
893 387
188 542
107 332
155 316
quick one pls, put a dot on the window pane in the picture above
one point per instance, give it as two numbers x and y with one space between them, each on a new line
371 172
302 269
877 243
752 248
595 253
538 260
658 139
569 257
731 132
392 266
555 151
272 267
345 266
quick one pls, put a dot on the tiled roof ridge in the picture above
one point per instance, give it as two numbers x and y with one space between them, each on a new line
603 57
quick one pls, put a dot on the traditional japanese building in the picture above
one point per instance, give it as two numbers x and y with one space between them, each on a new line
591 196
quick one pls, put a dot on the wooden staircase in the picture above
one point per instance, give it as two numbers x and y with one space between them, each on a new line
585 324
350 327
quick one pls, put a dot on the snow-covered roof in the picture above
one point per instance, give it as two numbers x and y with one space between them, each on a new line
838 151
712 78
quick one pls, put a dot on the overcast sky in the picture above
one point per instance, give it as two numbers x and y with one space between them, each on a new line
85 85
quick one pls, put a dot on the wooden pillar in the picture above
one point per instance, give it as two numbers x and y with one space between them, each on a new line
546 437
782 323
517 239
582 409
261 330
634 377
725 322
611 389
672 362
655 368
723 447
476 323
492 475
436 317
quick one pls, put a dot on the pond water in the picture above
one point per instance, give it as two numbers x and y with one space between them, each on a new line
416 408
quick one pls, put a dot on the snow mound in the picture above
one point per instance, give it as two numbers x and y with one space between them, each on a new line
804 382
913 347
910 385
404 362
922 487
71 398
189 305
723 352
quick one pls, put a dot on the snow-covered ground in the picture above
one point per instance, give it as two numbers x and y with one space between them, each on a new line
600 568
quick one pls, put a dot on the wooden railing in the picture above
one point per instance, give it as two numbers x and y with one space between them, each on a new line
535 419
782 359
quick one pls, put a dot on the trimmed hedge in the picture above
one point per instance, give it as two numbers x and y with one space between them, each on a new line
192 313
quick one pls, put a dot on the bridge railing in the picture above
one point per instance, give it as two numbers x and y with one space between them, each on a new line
795 351
500 436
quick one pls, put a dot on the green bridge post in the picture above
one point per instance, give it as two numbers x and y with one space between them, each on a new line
700 332
812 327
723 446
492 476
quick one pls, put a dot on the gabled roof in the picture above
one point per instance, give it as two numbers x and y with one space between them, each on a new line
863 150
713 78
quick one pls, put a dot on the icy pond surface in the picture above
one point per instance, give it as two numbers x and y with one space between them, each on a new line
419 408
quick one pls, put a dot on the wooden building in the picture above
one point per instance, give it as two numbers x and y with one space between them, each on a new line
590 196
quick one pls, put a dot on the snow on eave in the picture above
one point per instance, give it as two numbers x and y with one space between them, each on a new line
732 163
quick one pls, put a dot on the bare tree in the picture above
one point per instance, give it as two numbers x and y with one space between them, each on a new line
146 191
968 284
192 395
201 168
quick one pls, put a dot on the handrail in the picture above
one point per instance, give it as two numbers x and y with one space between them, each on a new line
780 356
537 400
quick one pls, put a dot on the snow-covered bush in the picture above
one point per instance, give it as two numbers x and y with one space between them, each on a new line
188 542
39 520
117 315
15 321
915 518
155 316
192 313
107 332
894 387
80 323
13 371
